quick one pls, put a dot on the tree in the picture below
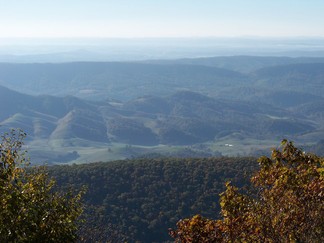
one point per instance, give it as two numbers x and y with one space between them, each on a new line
286 207
30 209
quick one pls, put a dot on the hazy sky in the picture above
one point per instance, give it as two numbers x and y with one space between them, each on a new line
161 18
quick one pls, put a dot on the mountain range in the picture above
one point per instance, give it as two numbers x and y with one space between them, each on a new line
72 111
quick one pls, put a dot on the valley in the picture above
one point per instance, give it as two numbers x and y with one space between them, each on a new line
223 106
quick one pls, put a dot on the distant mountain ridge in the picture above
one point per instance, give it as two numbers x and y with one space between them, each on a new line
112 79
129 80
245 64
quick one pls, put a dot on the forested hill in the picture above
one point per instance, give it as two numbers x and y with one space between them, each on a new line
138 200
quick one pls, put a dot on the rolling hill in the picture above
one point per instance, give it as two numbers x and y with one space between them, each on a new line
92 110
185 118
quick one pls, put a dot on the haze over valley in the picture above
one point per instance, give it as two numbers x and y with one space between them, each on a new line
98 111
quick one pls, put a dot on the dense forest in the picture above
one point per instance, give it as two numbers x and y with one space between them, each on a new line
139 200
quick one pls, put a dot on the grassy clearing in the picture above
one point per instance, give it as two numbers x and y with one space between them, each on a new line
82 151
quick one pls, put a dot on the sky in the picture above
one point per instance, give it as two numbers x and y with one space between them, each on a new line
161 18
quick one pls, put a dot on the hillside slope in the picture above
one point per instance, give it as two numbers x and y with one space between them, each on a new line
185 118
138 200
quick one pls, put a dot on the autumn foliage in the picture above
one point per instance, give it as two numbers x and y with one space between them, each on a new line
30 210
286 206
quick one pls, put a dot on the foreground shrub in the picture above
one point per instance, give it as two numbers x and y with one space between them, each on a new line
287 205
30 211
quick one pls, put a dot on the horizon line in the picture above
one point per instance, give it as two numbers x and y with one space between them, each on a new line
166 37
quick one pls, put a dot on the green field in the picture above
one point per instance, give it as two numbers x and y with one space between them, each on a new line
81 151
